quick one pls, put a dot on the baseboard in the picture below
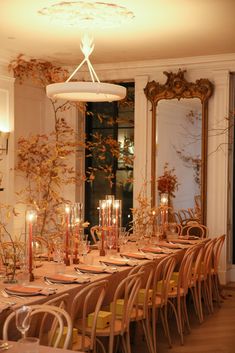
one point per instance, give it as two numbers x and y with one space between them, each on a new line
231 274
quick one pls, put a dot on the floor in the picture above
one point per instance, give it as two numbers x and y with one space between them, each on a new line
215 335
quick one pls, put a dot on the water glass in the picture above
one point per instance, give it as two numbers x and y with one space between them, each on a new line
23 319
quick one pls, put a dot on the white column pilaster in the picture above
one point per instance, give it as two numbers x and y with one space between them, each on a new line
141 136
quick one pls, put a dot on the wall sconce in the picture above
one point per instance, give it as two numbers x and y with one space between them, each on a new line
4 136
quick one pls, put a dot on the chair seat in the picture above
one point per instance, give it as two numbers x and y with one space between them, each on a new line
100 332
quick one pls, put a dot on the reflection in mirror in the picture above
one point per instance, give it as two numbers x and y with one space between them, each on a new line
178 134
183 142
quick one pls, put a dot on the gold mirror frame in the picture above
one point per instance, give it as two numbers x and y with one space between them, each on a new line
178 87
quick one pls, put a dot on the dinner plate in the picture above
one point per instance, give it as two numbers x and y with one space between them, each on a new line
119 262
135 255
90 269
156 250
22 291
65 279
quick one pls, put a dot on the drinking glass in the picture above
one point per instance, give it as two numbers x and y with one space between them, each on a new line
110 241
23 319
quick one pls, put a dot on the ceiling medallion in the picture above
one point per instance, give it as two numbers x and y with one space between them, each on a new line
87 14
92 91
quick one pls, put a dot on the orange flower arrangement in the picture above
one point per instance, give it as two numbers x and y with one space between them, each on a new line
168 182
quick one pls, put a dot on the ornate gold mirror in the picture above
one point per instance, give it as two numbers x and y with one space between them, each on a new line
179 136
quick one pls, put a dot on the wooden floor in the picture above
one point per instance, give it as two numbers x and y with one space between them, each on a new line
215 335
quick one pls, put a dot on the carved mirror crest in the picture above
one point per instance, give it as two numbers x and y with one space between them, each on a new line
172 102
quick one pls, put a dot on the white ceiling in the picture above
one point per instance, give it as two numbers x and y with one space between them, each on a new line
161 29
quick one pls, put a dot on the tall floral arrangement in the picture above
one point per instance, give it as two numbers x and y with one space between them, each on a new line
168 182
144 215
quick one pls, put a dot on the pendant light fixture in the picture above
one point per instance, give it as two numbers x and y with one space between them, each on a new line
86 91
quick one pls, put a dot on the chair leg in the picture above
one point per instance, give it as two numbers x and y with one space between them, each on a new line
148 336
166 329
186 313
199 293
154 331
100 344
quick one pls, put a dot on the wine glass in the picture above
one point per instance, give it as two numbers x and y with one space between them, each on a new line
110 241
23 319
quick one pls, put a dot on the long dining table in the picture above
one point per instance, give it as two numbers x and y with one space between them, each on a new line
114 275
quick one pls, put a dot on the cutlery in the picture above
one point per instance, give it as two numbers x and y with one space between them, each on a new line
84 275
48 282
5 348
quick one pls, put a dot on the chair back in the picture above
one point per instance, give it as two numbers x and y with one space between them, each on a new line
93 231
163 275
88 300
146 270
62 317
208 258
217 251
186 270
197 230
61 302
127 290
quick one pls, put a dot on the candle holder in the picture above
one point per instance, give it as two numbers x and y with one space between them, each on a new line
110 217
31 217
67 210
164 213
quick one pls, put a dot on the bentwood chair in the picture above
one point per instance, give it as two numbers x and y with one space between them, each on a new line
204 278
54 338
162 286
177 297
215 268
124 301
196 273
140 311
93 231
87 301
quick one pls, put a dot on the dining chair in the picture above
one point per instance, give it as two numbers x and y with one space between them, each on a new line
195 276
140 312
60 301
87 301
177 297
93 231
161 287
218 245
121 310
204 278
63 319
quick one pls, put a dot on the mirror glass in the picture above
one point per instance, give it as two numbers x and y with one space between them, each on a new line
179 137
